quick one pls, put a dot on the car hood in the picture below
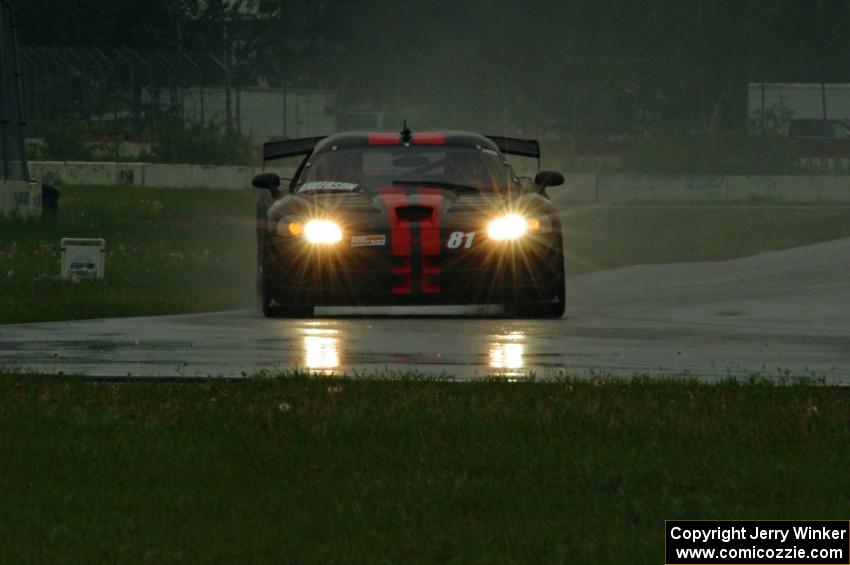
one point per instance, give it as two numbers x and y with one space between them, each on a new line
380 205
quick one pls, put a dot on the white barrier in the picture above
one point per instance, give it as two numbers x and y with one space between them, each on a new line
149 174
579 187
92 174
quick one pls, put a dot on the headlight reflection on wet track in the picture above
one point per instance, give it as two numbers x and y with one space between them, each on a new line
321 349
321 353
506 355
323 344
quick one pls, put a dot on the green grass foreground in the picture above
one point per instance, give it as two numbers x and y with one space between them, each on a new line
298 470
177 251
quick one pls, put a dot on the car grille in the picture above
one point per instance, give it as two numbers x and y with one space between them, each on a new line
414 213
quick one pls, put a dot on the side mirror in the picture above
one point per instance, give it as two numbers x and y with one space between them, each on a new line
268 181
548 178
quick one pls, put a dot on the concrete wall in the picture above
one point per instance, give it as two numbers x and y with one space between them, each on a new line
20 198
95 174
148 174
579 188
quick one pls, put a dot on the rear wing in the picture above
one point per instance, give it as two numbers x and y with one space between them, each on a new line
520 147
280 148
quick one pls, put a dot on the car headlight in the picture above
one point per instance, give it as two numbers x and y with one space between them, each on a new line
514 226
511 226
321 231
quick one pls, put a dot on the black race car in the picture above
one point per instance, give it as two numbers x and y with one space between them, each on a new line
408 219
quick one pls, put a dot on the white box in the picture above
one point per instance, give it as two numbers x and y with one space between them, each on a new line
83 258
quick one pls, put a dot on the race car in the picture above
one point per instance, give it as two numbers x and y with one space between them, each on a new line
410 218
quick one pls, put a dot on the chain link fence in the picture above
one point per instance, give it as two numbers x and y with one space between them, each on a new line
121 92
128 104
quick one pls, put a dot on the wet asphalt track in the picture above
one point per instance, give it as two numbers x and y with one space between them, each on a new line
776 312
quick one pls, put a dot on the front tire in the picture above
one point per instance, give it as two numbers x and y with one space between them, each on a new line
540 306
272 309
266 293
557 309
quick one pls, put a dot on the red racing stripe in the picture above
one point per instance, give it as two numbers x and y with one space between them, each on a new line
429 138
399 238
384 139
406 284
430 237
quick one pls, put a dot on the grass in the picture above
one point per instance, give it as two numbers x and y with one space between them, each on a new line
168 251
300 470
178 251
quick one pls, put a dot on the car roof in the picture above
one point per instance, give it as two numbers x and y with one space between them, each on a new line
365 139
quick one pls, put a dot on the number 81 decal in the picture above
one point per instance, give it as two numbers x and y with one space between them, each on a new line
459 238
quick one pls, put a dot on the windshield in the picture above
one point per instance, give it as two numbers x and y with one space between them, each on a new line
355 168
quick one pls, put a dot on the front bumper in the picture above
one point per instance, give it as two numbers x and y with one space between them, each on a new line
340 275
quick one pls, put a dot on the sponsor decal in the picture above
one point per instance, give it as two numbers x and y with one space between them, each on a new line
83 269
328 185
368 240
